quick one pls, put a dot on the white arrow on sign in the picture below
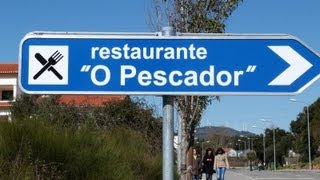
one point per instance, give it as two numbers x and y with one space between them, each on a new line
298 65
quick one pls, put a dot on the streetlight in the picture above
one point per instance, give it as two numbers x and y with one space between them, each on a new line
238 149
245 144
274 143
264 143
308 124
248 141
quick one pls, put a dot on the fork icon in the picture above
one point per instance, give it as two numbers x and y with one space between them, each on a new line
53 60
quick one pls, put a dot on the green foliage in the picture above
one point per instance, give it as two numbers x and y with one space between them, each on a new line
251 155
135 115
300 131
258 146
24 106
196 16
202 16
50 140
36 149
283 142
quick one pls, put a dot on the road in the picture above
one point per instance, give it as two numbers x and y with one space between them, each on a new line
241 174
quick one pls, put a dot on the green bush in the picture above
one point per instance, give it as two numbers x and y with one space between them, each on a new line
133 114
37 149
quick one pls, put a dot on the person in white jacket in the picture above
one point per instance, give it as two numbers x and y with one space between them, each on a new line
221 163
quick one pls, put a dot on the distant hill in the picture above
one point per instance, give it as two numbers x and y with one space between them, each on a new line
208 131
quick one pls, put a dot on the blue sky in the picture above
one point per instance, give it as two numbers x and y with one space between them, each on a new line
295 17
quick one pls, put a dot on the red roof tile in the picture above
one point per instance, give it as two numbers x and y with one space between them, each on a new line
91 100
8 68
226 149
5 104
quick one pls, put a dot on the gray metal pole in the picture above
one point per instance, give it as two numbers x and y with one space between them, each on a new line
264 149
167 138
179 145
167 127
309 146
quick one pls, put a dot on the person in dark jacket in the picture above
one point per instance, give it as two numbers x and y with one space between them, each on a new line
207 163
196 165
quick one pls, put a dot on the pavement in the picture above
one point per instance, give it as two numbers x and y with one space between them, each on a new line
242 174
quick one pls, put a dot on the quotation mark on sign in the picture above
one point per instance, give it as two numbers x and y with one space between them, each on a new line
85 68
251 68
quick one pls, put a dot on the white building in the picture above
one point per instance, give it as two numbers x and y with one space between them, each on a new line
230 152
8 88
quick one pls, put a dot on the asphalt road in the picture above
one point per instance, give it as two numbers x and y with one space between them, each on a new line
241 174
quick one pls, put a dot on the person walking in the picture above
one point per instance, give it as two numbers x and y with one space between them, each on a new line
221 163
260 166
195 171
207 163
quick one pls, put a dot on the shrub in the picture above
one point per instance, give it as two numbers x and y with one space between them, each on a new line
36 149
135 115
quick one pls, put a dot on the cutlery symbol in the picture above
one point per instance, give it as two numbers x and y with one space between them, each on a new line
48 65
43 61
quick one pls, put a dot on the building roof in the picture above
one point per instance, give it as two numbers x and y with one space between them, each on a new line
226 149
7 68
5 104
89 100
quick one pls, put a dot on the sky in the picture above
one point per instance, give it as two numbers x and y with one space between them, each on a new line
295 17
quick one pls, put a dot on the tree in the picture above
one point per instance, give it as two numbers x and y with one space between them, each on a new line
300 131
191 16
283 142
251 156
258 146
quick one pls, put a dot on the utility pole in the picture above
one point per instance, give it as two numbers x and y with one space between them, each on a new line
167 127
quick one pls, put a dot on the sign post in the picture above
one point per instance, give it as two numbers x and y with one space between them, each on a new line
167 127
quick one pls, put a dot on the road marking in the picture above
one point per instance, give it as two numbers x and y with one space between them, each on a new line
291 178
248 177
268 178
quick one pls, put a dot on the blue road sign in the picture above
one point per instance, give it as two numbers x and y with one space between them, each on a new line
204 64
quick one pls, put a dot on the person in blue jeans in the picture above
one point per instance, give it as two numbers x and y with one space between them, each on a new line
221 163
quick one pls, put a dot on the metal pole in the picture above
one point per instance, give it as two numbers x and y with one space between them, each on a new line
309 146
274 150
252 144
264 148
167 138
167 127
179 145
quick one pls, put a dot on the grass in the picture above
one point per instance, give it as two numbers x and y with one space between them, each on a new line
37 149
